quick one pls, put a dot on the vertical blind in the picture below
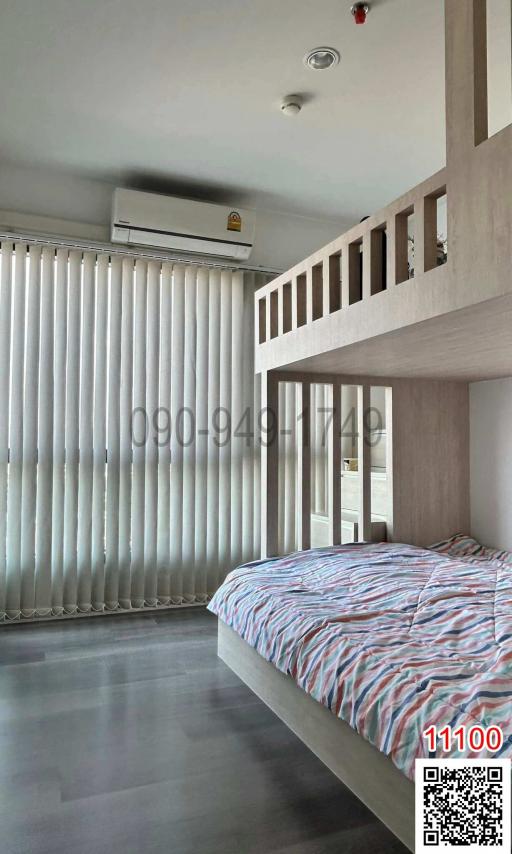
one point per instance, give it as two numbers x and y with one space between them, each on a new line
129 447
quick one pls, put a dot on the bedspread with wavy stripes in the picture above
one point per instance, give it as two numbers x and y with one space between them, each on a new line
391 638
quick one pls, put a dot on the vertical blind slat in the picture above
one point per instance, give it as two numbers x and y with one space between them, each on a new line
201 419
125 439
71 437
164 446
99 437
5 366
212 498
176 491
13 549
85 466
249 417
115 314
59 429
186 429
140 432
226 421
238 426
30 413
151 469
43 545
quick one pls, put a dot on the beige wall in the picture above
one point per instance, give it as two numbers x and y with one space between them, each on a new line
81 208
491 462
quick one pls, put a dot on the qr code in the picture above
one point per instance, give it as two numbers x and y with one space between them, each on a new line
463 805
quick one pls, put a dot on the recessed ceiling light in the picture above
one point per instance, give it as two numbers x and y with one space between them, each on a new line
321 58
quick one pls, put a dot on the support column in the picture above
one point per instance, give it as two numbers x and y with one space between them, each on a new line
466 76
269 465
304 467
334 466
364 463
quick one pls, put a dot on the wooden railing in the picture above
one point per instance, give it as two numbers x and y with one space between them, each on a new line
333 436
371 258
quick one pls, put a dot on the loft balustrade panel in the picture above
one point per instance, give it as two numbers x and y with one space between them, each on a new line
347 291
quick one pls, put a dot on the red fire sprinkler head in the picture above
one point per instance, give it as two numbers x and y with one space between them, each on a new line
360 12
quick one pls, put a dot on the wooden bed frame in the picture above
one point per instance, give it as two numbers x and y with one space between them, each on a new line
365 770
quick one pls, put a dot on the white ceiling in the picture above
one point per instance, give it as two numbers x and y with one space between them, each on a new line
184 97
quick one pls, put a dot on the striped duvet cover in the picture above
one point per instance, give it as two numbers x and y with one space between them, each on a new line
391 638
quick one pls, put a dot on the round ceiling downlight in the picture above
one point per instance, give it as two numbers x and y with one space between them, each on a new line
321 58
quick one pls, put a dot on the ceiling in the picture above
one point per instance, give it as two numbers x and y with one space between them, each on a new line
184 97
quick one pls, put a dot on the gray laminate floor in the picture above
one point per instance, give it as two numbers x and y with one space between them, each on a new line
126 735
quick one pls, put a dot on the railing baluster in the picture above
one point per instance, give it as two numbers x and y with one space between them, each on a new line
334 465
270 466
364 463
304 467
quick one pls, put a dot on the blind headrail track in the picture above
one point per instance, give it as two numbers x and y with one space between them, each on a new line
125 251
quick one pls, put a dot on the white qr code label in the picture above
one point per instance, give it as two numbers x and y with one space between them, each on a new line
463 805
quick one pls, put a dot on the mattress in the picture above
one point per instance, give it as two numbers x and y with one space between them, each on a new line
391 638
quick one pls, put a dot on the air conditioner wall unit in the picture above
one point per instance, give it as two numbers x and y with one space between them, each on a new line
181 225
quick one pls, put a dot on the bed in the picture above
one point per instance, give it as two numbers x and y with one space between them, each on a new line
360 648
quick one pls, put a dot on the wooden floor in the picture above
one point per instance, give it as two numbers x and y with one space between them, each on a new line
127 735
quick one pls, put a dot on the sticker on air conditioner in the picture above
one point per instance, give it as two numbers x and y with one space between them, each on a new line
234 221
